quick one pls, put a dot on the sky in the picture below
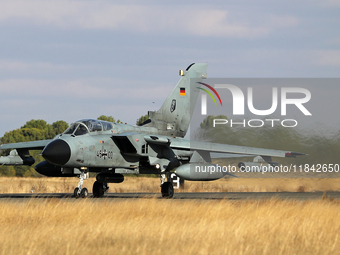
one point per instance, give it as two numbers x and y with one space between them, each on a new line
70 60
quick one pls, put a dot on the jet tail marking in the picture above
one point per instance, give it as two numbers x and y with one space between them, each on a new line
173 118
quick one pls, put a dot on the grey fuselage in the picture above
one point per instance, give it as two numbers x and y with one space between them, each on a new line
136 149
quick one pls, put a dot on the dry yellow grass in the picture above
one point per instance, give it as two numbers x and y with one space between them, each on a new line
154 226
144 184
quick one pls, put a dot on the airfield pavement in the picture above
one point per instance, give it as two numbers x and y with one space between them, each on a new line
186 195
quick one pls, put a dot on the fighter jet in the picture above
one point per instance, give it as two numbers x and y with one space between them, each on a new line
156 147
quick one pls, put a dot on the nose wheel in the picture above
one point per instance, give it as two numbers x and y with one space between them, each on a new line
80 191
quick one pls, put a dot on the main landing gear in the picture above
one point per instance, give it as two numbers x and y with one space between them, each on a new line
100 185
167 187
80 191
99 189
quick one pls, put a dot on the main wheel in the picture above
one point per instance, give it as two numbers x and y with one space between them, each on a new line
167 190
98 189
84 192
76 192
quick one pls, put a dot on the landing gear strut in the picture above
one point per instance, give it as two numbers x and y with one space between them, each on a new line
80 191
99 189
167 188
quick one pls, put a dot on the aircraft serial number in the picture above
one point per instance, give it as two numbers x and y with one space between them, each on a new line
105 154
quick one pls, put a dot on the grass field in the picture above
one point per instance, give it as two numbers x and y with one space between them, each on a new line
153 226
144 184
156 226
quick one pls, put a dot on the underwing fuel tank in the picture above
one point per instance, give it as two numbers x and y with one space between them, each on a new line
110 178
14 159
203 172
47 169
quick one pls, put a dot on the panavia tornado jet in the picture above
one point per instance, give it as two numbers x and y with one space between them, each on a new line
155 147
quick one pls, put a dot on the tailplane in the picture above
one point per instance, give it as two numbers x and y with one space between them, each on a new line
173 118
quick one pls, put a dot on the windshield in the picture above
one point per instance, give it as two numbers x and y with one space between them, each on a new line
71 129
82 127
81 130
77 129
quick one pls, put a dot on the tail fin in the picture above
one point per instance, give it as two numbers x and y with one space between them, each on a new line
173 118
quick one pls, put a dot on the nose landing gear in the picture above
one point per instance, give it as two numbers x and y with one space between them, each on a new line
80 191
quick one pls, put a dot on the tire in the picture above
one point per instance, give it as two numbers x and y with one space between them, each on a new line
76 192
167 190
84 193
98 189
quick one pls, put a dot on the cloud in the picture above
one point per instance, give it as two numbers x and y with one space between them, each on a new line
20 66
92 89
72 99
186 19
327 57
330 3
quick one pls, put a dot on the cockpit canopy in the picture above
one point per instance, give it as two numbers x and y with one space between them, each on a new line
85 126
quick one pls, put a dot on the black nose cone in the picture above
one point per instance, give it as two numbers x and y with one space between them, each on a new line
57 152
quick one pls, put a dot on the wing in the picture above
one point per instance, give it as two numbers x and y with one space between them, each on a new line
20 155
202 152
34 145
224 149
181 144
230 149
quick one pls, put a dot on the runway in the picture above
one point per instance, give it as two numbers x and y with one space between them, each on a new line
185 195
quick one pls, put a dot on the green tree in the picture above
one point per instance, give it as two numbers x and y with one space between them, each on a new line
108 118
58 127
7 171
33 130
38 124
141 120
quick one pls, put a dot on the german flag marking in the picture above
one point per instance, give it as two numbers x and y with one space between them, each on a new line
182 91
